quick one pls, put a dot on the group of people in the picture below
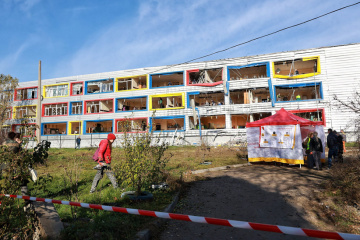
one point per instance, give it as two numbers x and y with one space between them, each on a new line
314 147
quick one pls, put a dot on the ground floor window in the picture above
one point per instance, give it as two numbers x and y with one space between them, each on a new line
168 124
240 120
54 128
100 126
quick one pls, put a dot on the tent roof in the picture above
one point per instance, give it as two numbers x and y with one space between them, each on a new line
282 117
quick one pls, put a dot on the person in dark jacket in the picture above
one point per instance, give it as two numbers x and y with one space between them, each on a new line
78 141
332 143
10 142
316 148
340 147
104 160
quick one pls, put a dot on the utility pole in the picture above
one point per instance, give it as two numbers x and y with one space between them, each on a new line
38 110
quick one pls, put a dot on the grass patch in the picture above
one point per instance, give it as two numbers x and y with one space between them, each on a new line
84 223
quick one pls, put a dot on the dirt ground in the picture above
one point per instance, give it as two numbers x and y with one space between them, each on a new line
279 195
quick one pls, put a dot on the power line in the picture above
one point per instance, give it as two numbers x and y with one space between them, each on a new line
257 38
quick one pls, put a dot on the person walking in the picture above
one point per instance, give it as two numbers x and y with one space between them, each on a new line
332 144
78 141
316 148
103 157
309 157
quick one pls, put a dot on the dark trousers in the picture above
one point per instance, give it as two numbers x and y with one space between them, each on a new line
333 152
99 175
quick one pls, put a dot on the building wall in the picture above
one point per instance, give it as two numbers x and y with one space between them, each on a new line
339 75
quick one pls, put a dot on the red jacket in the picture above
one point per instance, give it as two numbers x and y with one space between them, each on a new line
105 151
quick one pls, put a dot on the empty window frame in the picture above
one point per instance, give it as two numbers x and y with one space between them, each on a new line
206 99
55 109
28 130
167 101
131 125
208 122
54 128
251 95
204 77
99 106
25 93
131 83
250 71
316 115
240 120
174 123
8 113
76 108
56 90
99 86
172 79
298 92
75 128
25 112
98 126
131 104
297 68
76 88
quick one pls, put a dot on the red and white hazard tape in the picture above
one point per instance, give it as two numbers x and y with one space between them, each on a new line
197 219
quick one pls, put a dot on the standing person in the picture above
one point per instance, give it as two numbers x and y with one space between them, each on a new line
310 160
332 144
104 159
316 149
161 103
339 139
78 141
342 133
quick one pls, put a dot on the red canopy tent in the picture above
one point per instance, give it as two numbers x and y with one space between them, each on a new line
282 117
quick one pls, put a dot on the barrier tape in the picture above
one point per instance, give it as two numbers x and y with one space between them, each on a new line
197 219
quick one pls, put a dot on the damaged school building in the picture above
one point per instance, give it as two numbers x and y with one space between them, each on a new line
212 100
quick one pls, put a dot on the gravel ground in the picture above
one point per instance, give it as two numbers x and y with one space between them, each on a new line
258 193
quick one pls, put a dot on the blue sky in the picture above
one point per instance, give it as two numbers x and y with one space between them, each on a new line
91 36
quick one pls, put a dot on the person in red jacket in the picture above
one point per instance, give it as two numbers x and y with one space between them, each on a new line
104 160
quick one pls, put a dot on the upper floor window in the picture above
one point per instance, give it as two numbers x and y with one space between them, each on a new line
131 83
76 108
297 68
99 86
250 71
25 112
171 79
26 93
7 96
205 77
76 88
59 90
8 113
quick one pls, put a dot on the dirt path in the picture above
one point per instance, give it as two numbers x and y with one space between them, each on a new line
258 193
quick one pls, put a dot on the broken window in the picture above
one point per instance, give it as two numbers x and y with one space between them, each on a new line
26 94
25 112
5 130
99 106
56 90
76 108
8 113
240 120
257 70
168 123
209 122
75 127
76 88
298 92
251 95
100 86
54 128
131 125
99 126
204 76
58 109
297 68
167 101
167 79
131 104
131 83
207 99
316 115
